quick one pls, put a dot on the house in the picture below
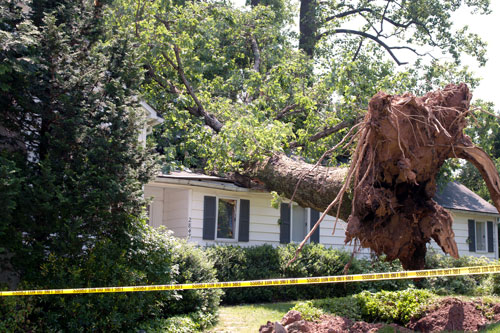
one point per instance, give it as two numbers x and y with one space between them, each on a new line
475 221
213 210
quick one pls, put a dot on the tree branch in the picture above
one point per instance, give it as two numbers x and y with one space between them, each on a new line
285 110
328 131
256 53
366 35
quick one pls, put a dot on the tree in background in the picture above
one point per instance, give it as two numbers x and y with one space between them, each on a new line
72 167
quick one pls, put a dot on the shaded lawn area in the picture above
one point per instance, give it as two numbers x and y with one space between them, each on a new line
249 317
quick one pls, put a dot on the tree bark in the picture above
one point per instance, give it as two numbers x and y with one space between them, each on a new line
317 186
308 26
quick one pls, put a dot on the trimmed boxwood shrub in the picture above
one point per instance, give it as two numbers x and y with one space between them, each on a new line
393 306
234 263
153 257
476 285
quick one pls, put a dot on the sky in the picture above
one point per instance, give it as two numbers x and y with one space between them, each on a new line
488 28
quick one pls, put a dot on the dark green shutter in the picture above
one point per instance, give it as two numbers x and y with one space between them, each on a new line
209 215
244 227
314 216
472 236
490 236
285 223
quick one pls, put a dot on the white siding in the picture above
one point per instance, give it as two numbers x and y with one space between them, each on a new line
264 227
156 205
169 207
180 208
461 229
176 211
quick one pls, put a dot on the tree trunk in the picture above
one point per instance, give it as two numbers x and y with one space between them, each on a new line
308 26
402 144
317 187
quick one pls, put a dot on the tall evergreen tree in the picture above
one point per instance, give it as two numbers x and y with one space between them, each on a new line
69 129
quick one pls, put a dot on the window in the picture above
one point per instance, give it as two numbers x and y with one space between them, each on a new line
226 218
480 236
295 222
299 223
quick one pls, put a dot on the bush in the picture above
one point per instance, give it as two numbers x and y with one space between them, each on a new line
380 265
193 267
235 263
152 258
347 306
393 306
475 285
308 311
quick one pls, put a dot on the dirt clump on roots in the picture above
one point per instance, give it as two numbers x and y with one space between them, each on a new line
402 144
450 314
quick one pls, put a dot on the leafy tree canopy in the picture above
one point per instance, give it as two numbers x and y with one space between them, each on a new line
234 87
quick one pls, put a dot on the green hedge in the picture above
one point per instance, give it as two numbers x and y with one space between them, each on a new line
234 263
386 306
153 258
473 285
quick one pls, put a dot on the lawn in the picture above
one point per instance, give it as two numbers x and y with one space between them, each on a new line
248 318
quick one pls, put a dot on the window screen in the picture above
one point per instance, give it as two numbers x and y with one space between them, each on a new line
226 218
480 236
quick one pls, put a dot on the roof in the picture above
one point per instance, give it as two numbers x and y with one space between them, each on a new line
201 180
457 196
153 118
452 196
194 176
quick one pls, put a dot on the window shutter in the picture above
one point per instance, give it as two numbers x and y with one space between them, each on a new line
314 216
209 214
285 223
490 236
472 236
244 223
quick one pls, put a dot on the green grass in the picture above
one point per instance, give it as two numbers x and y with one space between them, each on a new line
248 318
494 328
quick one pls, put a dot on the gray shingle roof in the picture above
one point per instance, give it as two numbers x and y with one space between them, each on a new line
457 196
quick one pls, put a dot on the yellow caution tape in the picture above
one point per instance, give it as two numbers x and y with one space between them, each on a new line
273 282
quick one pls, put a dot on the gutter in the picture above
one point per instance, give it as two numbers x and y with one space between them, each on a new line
199 183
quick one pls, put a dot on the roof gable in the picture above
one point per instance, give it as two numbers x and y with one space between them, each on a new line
457 196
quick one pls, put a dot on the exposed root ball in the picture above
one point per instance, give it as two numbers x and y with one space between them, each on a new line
406 141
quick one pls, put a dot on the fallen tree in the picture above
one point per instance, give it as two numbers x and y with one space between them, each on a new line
402 143
238 97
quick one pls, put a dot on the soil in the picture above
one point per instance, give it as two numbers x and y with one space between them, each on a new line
403 143
447 315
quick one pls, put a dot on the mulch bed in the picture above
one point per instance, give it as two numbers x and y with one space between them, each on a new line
450 314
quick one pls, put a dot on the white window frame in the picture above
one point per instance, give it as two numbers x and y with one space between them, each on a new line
485 236
237 219
308 223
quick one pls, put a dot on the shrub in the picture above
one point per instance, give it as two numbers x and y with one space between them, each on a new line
175 324
315 260
193 267
477 285
347 306
152 258
393 306
308 311
235 263
379 265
